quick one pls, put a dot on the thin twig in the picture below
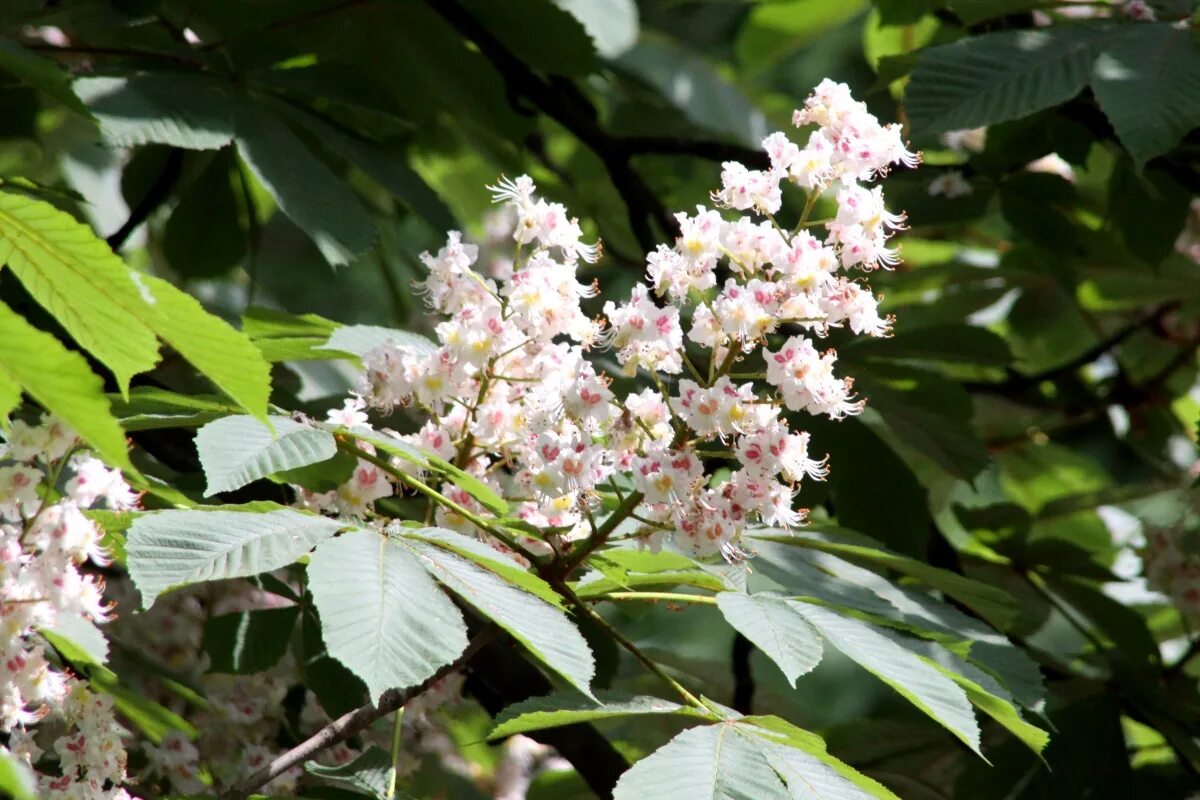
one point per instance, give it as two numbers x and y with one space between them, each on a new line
351 723
158 193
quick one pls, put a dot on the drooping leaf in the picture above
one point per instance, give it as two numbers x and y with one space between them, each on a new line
151 718
174 548
612 24
775 628
149 408
713 762
185 110
246 642
485 556
16 778
1147 81
381 614
118 314
203 238
369 773
307 190
540 626
238 450
287 337
79 639
61 382
562 708
39 72
921 683
982 80
360 340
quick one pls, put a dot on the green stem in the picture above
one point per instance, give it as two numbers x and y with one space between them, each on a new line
651 596
619 515
622 640
391 792
439 498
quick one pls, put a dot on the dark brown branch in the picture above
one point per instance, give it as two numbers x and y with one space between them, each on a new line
563 102
158 193
1017 381
351 723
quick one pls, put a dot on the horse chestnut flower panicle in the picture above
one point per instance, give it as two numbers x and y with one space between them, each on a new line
515 388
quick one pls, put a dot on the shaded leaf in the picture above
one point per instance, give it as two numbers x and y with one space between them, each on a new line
775 628
563 708
235 451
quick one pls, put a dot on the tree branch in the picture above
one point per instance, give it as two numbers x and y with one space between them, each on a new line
157 194
351 723
563 102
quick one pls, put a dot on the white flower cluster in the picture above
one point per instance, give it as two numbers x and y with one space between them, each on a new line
1172 566
513 398
46 540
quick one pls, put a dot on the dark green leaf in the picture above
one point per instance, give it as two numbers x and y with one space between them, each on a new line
246 642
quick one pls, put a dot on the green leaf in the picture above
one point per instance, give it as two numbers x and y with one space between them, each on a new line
307 190
1147 82
568 708
370 773
288 337
691 84
174 548
360 340
203 238
469 484
1149 210
78 638
61 382
485 556
1003 712
216 349
540 626
116 313
990 602
16 778
152 719
387 166
775 628
777 29
381 615
10 396
80 281
802 761
185 110
948 344
246 642
713 762
982 80
920 682
149 408
612 24
41 73
539 32
235 451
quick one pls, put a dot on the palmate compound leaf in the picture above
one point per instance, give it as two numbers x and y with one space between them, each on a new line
167 549
567 708
540 626
923 684
60 381
381 614
747 759
187 110
982 80
775 628
117 314
238 450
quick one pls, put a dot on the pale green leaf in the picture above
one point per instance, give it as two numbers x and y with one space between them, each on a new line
713 762
80 636
16 778
612 24
174 548
381 614
360 340
543 628
370 773
61 382
563 708
485 556
80 281
185 110
775 628
921 683
235 451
